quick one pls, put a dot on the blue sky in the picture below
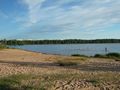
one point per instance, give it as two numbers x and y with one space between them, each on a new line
59 19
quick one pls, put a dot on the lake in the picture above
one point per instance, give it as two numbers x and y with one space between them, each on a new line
69 49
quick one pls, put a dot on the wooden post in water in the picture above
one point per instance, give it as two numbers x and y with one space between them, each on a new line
106 50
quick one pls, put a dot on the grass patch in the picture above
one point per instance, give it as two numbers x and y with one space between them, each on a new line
70 61
115 56
3 46
11 82
94 81
47 81
31 82
100 56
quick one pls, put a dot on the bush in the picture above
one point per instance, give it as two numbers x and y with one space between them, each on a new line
113 55
78 55
118 60
66 63
100 56
3 46
109 55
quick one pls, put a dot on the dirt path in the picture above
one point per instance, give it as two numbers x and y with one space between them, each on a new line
92 66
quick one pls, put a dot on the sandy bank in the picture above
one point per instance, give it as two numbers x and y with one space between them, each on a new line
22 55
15 62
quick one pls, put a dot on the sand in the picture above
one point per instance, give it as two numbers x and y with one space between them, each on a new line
21 55
15 61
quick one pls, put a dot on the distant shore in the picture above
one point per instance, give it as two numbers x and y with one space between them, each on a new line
65 41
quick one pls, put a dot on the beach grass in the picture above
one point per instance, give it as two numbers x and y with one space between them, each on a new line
48 81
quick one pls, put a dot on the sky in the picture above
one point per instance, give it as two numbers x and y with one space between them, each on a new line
59 19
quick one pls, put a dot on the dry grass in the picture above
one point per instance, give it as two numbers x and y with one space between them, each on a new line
70 61
59 80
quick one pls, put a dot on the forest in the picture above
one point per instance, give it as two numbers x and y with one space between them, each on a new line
66 41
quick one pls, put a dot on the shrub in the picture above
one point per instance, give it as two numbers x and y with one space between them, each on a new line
117 59
99 56
113 55
78 55
3 46
66 63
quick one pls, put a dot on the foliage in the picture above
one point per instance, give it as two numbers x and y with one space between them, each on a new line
66 63
78 55
113 55
67 41
2 46
109 55
99 56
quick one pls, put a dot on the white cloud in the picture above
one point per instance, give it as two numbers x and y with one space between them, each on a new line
33 10
85 15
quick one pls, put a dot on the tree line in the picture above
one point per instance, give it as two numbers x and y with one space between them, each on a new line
67 41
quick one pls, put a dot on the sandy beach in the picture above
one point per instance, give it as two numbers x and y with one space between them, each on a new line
16 62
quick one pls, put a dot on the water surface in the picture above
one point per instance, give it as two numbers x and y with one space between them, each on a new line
69 49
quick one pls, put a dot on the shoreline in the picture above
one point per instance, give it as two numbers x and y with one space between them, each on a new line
87 50
41 52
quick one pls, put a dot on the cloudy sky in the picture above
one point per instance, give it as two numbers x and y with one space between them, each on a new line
59 19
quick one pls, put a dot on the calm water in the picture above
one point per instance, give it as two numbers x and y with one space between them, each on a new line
69 49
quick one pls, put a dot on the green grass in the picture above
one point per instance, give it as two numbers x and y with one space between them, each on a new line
30 82
115 56
100 56
94 81
12 82
3 46
78 55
